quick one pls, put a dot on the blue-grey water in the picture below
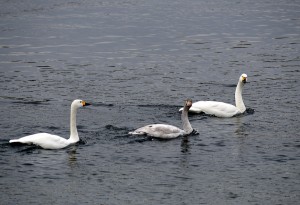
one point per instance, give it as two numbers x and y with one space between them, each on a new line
136 61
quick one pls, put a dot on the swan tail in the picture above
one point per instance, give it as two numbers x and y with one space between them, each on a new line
137 133
15 141
133 133
12 141
192 109
195 110
20 141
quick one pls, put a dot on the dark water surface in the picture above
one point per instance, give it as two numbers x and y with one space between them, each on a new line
136 61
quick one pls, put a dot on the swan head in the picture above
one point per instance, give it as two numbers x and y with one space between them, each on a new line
243 78
79 103
188 103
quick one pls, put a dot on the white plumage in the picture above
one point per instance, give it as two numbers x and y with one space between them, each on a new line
221 109
49 141
44 140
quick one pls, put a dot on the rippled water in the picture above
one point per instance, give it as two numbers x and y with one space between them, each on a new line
136 62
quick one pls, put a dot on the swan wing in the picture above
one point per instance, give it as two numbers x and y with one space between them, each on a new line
44 140
218 109
159 131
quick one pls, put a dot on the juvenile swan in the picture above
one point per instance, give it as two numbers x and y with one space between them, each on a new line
164 131
48 141
220 109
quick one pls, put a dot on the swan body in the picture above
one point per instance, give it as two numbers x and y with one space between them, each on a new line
49 141
221 109
164 131
159 131
215 108
44 140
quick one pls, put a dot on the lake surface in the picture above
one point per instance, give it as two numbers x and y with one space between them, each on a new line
137 61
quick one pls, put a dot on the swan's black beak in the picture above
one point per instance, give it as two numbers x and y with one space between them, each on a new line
244 80
87 104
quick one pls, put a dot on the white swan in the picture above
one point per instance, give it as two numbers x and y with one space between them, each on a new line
48 141
220 109
168 131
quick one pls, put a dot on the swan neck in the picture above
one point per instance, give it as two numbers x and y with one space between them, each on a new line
185 121
73 127
238 97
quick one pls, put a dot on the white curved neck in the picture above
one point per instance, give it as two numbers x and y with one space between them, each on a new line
185 121
238 97
73 128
